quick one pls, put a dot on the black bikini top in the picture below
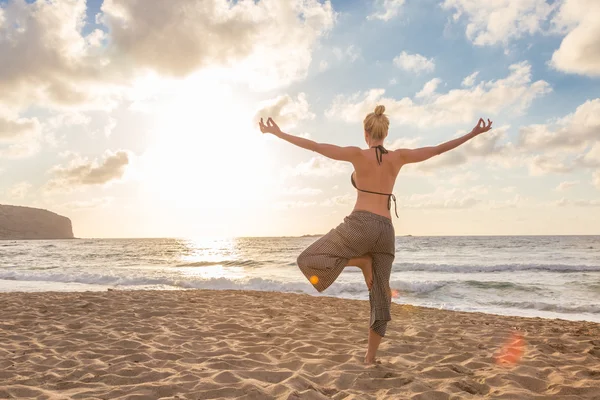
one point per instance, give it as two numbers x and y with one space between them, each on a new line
379 152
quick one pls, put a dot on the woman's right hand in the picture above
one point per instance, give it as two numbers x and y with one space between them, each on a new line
270 127
481 127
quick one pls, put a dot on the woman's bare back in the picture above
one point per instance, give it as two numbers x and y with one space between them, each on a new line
373 176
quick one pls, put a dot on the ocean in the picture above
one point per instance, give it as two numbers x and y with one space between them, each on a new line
537 276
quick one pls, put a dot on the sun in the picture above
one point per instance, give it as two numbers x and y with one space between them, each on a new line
206 151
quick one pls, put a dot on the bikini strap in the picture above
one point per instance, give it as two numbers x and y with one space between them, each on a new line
389 195
390 198
379 152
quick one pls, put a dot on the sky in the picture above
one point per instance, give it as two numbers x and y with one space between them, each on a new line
138 118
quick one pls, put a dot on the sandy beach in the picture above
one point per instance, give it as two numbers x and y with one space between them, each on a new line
204 344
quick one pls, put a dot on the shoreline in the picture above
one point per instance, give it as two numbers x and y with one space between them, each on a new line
270 345
398 236
446 307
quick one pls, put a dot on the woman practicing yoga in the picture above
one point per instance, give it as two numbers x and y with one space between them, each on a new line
366 238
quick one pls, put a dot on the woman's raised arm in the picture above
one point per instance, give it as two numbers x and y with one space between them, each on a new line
328 150
408 156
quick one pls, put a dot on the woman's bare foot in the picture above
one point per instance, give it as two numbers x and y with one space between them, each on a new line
365 263
370 359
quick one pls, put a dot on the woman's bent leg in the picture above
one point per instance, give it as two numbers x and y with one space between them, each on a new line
324 260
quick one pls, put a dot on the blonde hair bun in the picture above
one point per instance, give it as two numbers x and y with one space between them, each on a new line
377 123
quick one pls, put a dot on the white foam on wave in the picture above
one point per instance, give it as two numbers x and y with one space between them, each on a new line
429 267
410 291
418 286
560 308
82 277
177 281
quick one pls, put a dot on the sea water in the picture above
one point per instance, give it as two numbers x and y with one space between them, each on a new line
545 276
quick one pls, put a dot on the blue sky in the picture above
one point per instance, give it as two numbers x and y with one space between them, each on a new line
140 121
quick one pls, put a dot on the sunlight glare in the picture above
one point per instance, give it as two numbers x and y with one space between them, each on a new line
207 152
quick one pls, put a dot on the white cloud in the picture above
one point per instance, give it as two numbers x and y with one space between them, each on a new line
440 199
393 81
351 53
96 38
338 53
46 59
67 119
488 145
21 147
404 143
25 137
470 80
511 203
414 62
323 65
304 191
539 165
110 126
11 129
101 202
342 200
49 62
501 21
568 143
579 51
19 190
572 131
286 205
386 9
478 189
596 179
449 159
20 150
566 185
589 159
468 176
83 172
511 94
318 167
493 22
577 203
334 201
286 111
429 88
253 39
459 198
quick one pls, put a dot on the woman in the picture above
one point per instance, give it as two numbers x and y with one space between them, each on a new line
366 238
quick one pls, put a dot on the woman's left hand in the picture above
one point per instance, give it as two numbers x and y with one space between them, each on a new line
482 127
270 127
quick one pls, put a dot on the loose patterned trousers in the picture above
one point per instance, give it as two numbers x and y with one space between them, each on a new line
361 233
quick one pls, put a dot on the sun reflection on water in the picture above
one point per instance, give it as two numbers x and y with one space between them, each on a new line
211 258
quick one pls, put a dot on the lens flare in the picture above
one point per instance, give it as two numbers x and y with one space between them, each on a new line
314 279
512 351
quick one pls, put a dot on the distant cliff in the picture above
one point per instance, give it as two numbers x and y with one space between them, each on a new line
32 223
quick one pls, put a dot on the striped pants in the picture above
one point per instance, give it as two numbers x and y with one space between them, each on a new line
361 233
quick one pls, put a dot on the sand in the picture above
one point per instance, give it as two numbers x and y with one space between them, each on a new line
261 345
